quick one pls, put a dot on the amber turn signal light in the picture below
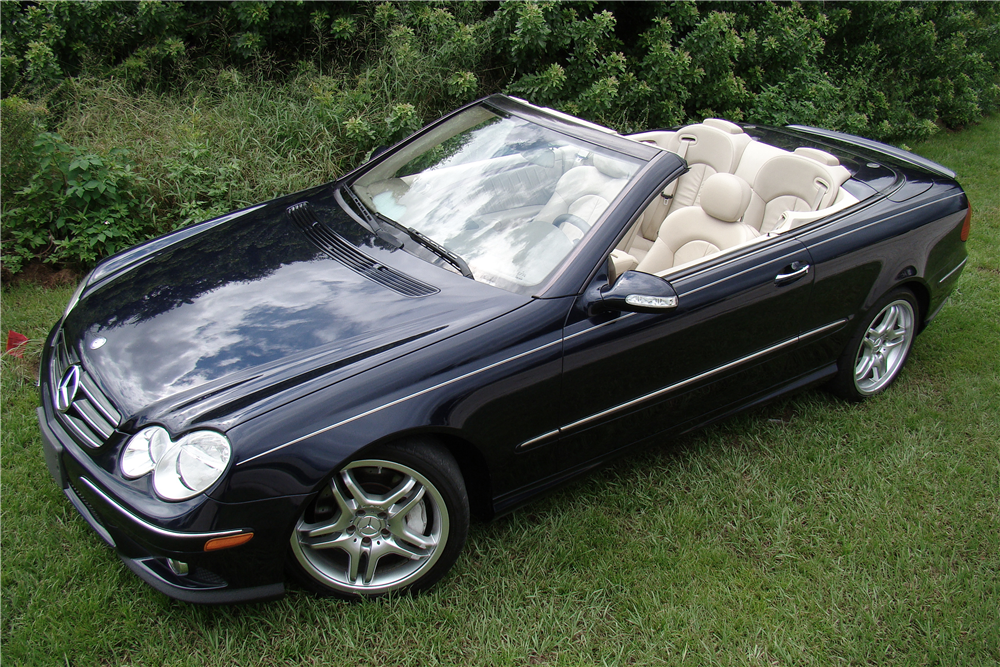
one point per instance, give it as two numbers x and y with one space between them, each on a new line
226 542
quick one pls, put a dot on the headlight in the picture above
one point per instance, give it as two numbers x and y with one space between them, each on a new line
76 295
181 469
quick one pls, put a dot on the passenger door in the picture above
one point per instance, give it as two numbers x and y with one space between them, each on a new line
731 337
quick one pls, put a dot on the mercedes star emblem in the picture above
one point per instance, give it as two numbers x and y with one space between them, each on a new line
66 391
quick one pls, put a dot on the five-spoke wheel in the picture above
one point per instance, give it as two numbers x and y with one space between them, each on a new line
879 349
393 521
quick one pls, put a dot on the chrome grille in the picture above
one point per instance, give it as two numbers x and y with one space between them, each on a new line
91 418
338 248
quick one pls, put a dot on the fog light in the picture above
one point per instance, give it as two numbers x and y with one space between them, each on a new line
177 567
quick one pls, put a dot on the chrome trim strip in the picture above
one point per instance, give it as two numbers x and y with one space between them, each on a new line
94 400
88 440
695 378
150 527
93 419
948 275
528 443
403 399
429 389
823 328
524 354
678 385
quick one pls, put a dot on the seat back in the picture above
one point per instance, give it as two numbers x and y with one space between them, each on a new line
599 184
693 232
807 180
709 148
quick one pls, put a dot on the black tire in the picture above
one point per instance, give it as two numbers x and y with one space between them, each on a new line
394 520
879 348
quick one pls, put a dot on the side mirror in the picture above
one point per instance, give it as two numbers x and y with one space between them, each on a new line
634 292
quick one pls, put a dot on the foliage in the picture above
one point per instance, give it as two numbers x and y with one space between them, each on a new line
76 207
20 121
259 98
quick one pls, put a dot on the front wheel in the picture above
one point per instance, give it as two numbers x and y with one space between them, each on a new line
877 352
393 521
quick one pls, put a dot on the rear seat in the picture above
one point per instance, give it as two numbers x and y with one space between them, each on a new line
806 180
784 185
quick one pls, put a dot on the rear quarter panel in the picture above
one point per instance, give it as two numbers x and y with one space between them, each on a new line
861 256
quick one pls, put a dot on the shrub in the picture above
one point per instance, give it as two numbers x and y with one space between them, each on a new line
20 121
227 104
76 207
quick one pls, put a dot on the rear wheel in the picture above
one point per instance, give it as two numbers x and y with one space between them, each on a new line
879 349
395 520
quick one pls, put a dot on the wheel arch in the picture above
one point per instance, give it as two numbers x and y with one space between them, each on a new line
471 463
923 296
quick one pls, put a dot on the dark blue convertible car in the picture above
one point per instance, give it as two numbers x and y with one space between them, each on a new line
331 384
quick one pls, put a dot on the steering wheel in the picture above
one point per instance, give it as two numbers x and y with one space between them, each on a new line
573 221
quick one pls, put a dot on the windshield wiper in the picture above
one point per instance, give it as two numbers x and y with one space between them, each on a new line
373 225
431 244
378 222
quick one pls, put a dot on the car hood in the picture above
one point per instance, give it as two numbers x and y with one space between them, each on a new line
236 318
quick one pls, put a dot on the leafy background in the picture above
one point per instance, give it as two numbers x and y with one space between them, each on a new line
124 120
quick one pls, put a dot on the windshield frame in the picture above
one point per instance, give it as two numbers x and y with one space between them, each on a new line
577 131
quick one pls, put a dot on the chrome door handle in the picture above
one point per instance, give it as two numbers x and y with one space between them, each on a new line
798 272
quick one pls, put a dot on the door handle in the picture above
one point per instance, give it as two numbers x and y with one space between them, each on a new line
796 271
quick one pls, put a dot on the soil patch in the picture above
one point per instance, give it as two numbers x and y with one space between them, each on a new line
38 273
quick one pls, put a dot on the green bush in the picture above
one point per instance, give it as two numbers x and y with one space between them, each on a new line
226 104
76 207
20 121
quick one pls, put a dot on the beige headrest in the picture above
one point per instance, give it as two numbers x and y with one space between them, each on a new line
725 197
611 167
724 125
820 156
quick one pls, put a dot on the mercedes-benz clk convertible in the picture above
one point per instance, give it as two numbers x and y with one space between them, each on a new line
328 386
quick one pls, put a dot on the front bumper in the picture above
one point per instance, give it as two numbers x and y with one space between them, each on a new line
149 545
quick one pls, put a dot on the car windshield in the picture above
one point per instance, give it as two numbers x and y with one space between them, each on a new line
510 197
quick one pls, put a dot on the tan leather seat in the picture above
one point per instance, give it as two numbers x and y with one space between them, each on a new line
806 180
583 193
691 233
714 146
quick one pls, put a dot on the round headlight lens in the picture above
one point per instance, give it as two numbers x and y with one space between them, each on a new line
181 469
192 465
144 450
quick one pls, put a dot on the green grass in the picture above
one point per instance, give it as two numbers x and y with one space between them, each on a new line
806 532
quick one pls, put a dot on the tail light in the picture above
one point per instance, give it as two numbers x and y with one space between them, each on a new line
967 224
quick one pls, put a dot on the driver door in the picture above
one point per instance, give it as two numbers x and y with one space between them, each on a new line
731 337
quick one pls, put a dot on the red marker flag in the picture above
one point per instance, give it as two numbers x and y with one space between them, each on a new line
15 343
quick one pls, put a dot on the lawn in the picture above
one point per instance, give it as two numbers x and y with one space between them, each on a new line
808 531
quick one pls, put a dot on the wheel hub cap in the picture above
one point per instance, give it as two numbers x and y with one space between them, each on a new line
884 347
369 525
